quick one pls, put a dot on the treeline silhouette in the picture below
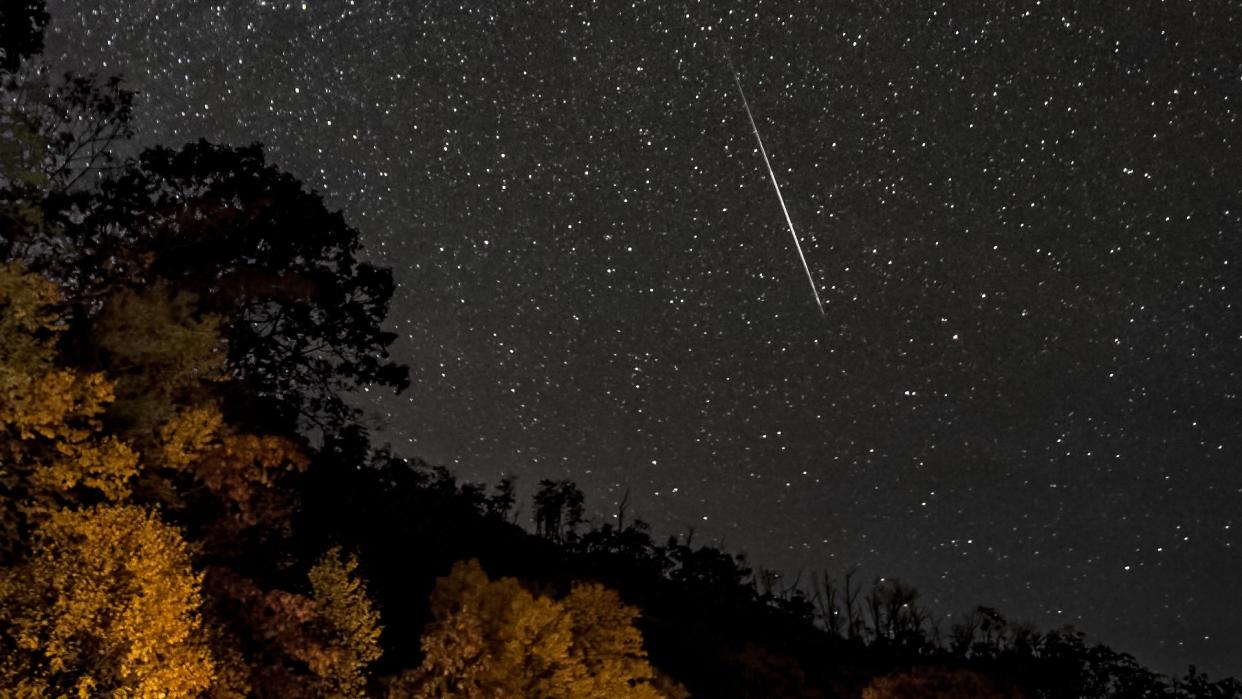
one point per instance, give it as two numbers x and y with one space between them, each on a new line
722 627
190 506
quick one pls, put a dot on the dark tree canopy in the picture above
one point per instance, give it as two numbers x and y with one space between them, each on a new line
21 31
257 248
246 239
60 141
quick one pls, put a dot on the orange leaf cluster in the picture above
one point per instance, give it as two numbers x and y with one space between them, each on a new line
495 639
106 603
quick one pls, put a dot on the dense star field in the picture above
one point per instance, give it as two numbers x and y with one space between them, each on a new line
1023 219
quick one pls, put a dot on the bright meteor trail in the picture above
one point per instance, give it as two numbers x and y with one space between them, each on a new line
777 187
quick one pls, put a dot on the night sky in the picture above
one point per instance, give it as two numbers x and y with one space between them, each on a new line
1023 219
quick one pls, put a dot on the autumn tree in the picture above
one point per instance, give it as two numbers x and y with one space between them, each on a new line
317 641
106 604
495 639
154 440
94 596
52 446
244 241
347 625
607 644
168 327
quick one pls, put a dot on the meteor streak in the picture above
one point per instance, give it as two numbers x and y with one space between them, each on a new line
777 187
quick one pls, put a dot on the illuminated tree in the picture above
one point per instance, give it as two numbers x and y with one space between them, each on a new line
107 603
298 645
65 443
168 328
606 643
164 424
495 639
52 446
347 623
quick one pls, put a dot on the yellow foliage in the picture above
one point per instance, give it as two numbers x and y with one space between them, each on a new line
27 315
102 601
105 464
52 403
316 645
607 643
106 603
50 439
495 639
348 623
188 434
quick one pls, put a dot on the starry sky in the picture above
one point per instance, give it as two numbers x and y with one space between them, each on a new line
1023 218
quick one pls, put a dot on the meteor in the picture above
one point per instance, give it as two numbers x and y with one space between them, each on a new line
777 187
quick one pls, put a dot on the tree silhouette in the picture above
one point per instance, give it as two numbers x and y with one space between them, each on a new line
501 503
558 509
300 313
21 31
60 137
